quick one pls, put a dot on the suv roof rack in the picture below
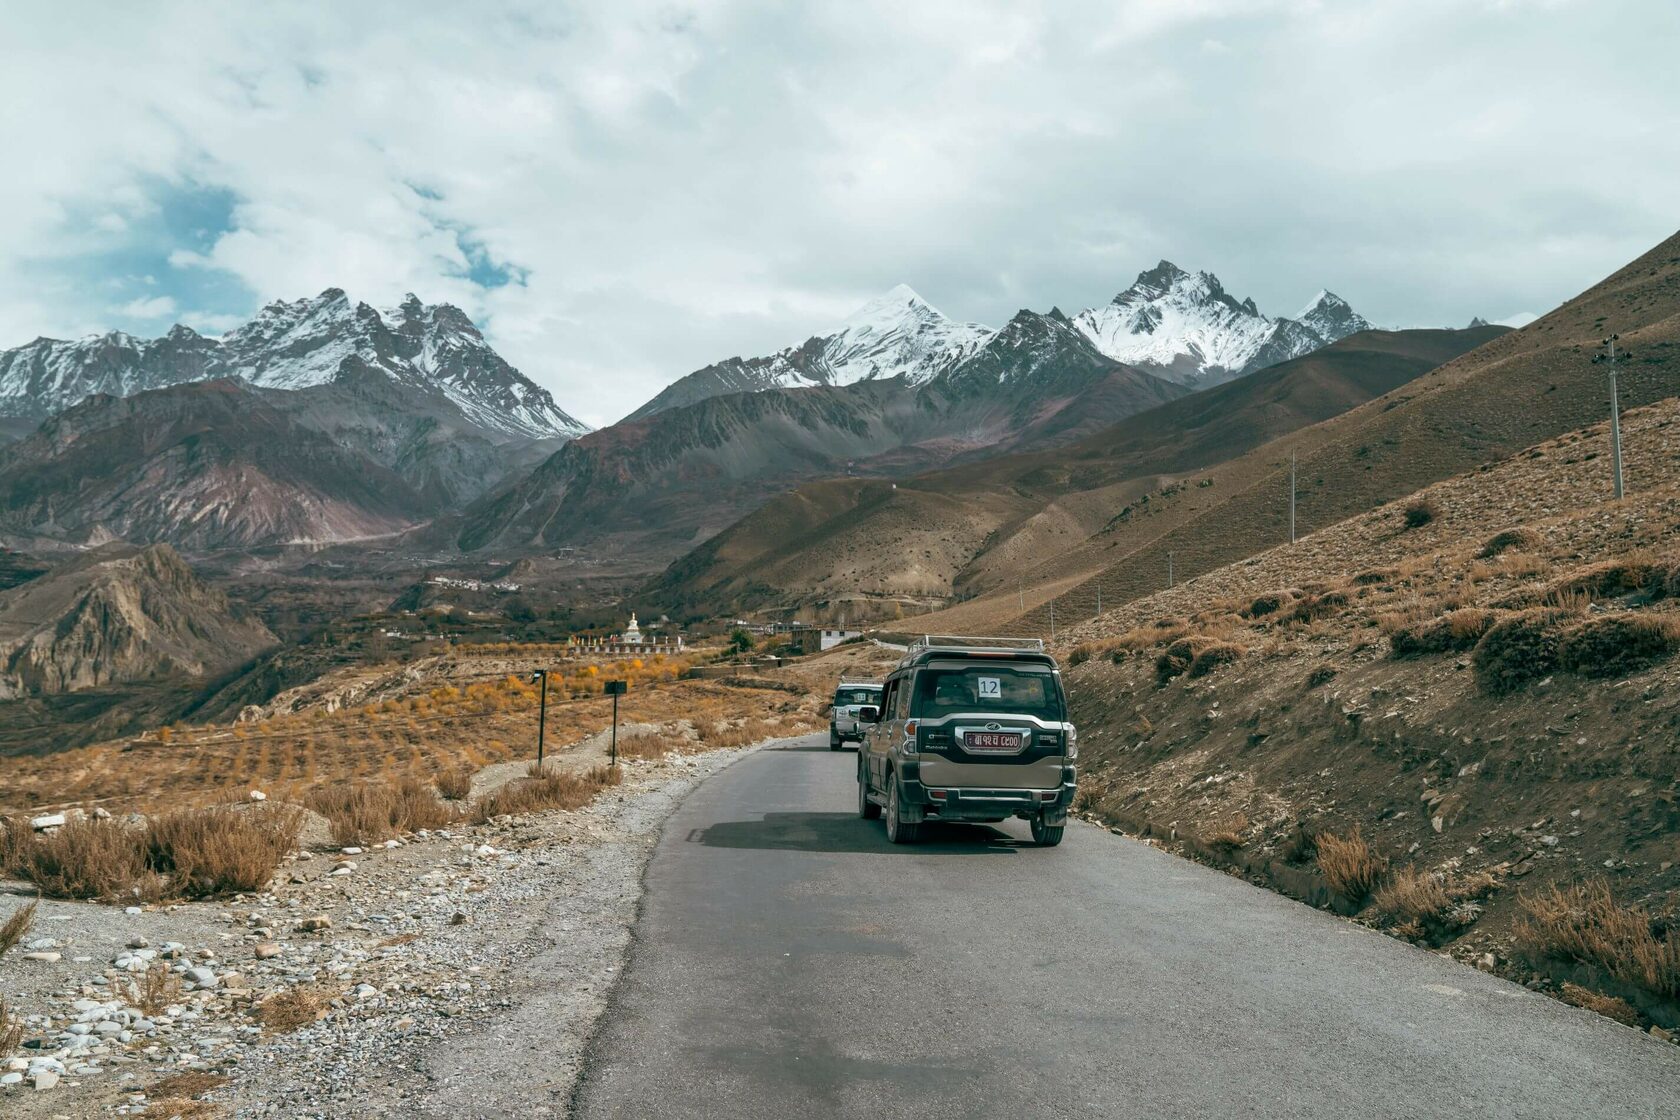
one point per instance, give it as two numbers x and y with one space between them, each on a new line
858 682
954 641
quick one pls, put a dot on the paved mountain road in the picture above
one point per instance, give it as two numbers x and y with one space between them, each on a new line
789 962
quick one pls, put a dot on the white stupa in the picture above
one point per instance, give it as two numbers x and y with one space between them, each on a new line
632 632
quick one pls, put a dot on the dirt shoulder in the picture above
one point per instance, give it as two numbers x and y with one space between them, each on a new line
453 974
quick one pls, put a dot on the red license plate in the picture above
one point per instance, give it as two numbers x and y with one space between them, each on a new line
992 741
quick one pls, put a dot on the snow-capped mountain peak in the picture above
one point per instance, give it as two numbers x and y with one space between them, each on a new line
294 345
1332 317
898 333
1185 326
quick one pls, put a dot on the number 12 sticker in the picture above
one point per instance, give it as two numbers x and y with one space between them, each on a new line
991 688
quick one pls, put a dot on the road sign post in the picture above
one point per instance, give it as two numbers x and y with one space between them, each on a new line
540 676
615 689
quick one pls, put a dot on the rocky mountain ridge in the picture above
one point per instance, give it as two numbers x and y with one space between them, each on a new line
659 484
1170 322
857 549
1186 327
898 334
208 465
434 349
118 615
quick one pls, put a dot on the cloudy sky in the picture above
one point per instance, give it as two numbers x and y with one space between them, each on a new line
621 192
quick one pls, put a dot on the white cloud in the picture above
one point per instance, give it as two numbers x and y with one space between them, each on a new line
153 307
678 182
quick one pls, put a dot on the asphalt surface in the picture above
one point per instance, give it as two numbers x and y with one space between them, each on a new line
789 962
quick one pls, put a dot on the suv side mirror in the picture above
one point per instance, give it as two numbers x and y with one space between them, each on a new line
869 714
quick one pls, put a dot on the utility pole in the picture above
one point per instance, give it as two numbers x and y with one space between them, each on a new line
1291 497
1099 600
1169 569
1609 358
1052 620
1020 595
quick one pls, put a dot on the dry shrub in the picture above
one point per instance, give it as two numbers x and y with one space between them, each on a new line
180 1108
1213 656
188 1084
1181 654
1227 836
1412 895
1456 631
652 744
1349 865
1670 583
1163 630
374 811
17 839
454 784
14 927
722 734
293 1009
222 849
86 859
1507 539
551 790
1609 579
156 989
1375 576
1608 1006
1080 654
1618 644
1518 649
1314 607
1322 675
11 1030
1269 603
1582 922
1419 513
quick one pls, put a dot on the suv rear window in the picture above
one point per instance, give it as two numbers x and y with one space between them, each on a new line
988 688
857 696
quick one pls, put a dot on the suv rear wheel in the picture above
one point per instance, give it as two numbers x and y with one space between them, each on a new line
867 809
899 831
1046 835
833 739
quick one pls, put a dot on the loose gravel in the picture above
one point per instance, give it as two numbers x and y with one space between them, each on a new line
457 973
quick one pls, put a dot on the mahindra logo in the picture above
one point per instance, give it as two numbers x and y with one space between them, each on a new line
994 727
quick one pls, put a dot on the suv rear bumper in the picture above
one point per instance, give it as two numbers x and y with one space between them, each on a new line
968 803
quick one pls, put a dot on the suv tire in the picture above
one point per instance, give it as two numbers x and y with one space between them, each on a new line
898 830
833 740
1046 835
867 809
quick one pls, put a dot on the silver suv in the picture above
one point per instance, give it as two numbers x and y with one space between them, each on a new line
970 729
849 698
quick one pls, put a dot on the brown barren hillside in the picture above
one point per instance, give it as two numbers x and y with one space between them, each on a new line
1517 390
1472 693
858 550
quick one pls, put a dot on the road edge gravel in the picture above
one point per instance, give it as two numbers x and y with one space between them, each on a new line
520 1050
